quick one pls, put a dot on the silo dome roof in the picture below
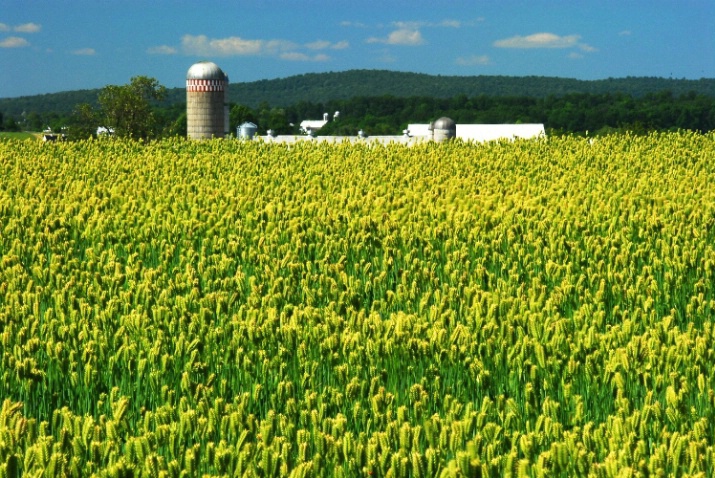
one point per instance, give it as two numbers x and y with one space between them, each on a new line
205 70
445 123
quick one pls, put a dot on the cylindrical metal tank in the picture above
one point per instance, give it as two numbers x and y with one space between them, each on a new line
444 128
247 130
206 92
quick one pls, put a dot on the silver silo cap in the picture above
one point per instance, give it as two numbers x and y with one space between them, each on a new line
206 70
445 123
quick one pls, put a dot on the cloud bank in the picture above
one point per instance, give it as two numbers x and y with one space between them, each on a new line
23 28
13 42
202 45
28 28
402 36
543 40
323 45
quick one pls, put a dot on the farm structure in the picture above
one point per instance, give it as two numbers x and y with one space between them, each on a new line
206 107
483 132
207 117
440 130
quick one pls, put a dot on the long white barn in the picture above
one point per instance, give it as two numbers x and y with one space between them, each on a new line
485 132
417 133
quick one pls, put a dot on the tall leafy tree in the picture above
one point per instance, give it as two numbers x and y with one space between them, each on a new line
127 109
240 114
83 122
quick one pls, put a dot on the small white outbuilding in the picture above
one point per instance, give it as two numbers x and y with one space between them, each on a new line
312 126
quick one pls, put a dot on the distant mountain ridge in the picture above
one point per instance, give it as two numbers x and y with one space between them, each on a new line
320 87
323 87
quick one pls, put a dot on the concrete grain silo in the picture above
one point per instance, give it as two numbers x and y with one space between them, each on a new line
444 128
206 105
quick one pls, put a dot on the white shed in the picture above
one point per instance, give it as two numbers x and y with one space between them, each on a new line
312 126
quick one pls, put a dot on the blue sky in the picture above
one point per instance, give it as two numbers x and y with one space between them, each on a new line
50 46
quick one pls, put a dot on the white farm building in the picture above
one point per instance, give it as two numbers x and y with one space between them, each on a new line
483 132
311 127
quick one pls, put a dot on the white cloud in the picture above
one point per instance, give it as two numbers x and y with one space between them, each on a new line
84 52
324 45
538 40
409 32
201 45
403 36
544 40
13 42
450 23
624 33
162 50
473 60
318 45
24 28
28 28
17 42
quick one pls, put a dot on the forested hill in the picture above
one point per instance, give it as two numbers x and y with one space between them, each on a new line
323 87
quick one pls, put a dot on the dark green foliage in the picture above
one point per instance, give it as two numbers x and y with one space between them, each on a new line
83 122
577 113
324 87
384 102
348 84
127 109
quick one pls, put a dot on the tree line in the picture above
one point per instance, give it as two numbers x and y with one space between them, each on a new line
343 85
573 113
140 110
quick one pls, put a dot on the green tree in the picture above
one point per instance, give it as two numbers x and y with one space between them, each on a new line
240 114
127 109
83 122
10 124
33 122
178 127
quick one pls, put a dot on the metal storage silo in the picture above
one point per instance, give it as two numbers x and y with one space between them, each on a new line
247 130
206 107
444 128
